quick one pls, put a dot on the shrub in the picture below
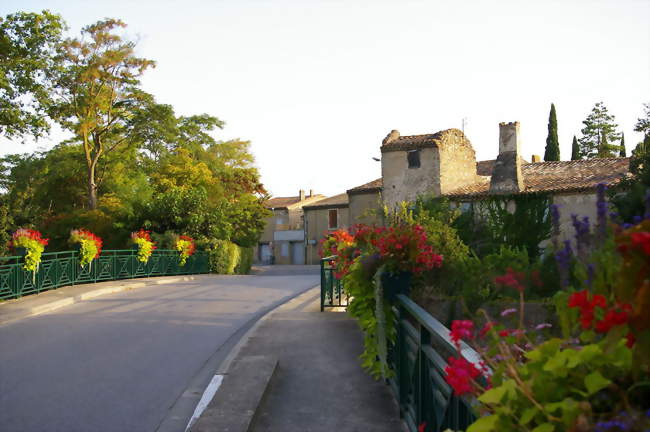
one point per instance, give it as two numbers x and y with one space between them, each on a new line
245 261
223 256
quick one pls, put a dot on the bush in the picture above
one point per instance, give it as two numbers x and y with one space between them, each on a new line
226 257
223 257
245 261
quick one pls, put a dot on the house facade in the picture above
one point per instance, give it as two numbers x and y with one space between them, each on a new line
321 218
283 239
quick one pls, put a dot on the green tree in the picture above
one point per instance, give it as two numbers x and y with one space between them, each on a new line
552 152
622 152
98 92
575 149
28 44
5 226
643 123
599 134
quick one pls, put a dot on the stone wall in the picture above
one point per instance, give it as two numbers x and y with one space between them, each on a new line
402 183
457 161
580 204
365 208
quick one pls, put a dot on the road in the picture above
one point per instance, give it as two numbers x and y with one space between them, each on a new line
120 362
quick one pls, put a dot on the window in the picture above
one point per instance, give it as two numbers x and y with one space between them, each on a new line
333 219
413 157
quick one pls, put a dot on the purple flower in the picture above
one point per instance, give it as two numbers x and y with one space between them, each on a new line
590 274
636 220
647 205
601 210
612 425
543 326
563 258
508 312
583 235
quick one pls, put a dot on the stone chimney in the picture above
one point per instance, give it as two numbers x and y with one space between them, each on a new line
536 158
302 194
506 176
311 193
392 136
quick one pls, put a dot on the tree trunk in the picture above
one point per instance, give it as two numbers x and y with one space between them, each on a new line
92 187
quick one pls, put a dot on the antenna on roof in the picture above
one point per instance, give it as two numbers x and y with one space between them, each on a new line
464 122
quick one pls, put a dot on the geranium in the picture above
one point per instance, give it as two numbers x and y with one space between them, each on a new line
90 245
461 375
614 315
33 243
405 248
185 245
146 246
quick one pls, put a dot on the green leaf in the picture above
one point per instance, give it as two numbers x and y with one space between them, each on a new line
596 382
484 424
528 415
493 396
588 352
546 427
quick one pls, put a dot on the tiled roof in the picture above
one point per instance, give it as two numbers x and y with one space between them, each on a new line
281 202
373 186
413 142
340 200
561 176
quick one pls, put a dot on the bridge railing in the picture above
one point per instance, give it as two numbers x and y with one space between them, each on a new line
59 269
332 293
418 358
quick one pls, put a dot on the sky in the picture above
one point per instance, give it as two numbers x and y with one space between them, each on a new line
315 85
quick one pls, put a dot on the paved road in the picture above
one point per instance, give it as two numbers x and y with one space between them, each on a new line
118 363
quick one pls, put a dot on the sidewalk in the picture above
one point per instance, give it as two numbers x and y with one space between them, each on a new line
47 301
317 384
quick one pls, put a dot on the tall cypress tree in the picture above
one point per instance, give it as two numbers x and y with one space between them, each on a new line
552 152
622 153
575 149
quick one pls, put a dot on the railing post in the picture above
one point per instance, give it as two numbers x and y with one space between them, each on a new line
322 285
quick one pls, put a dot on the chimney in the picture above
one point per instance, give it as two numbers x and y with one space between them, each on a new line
392 136
302 194
536 158
311 193
506 176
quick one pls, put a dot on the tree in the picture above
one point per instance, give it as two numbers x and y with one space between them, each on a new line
28 44
622 153
643 123
575 149
599 134
552 152
98 92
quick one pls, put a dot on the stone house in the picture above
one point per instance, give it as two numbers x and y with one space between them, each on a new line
283 239
365 203
444 164
322 217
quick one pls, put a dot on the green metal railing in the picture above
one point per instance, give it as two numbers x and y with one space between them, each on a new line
419 357
332 293
59 269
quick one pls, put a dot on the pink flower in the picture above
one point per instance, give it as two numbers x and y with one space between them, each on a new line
461 329
508 312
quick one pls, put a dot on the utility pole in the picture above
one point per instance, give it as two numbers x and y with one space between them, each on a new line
464 123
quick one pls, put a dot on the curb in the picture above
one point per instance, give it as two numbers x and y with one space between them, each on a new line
70 300
229 370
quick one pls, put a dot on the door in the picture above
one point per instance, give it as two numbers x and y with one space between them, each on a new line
297 253
265 253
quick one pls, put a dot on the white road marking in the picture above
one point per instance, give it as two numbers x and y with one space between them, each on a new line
208 394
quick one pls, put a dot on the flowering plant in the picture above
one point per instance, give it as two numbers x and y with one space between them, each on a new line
33 243
362 255
90 245
185 245
597 376
146 246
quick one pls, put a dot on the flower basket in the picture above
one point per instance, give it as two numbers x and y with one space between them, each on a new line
20 251
30 245
396 283
87 245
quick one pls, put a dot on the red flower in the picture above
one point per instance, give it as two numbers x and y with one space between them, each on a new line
579 299
486 328
642 241
460 374
422 427
461 329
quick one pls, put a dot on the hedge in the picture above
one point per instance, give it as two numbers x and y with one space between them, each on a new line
228 258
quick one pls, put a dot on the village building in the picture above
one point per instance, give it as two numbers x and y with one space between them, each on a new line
283 239
442 164
321 218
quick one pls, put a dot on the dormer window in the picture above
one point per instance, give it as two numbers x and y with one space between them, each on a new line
413 158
